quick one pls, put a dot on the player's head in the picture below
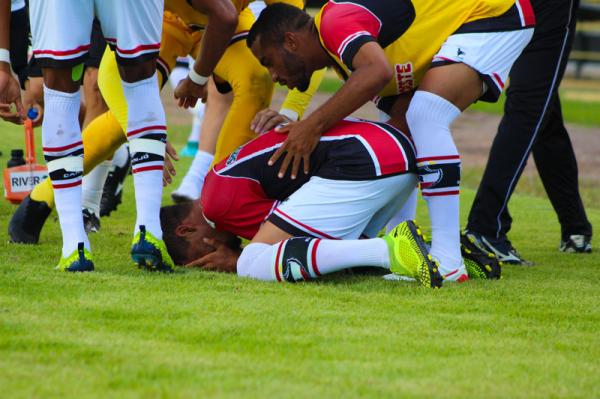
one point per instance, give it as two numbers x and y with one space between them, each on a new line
274 39
184 228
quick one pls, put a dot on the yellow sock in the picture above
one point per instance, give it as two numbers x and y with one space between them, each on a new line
43 192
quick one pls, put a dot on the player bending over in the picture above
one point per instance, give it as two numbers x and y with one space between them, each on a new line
422 62
362 173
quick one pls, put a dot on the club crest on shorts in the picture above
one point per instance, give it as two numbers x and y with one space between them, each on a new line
233 157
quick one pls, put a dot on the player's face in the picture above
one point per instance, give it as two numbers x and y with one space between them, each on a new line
194 229
286 68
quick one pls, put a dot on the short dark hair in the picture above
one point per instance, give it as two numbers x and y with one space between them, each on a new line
173 216
274 21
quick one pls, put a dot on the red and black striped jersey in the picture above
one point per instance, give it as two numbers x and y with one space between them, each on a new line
241 190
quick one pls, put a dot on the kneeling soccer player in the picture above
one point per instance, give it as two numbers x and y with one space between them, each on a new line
362 173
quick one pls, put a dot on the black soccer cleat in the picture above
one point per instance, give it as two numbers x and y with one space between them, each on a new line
576 243
501 247
480 262
113 188
91 223
27 221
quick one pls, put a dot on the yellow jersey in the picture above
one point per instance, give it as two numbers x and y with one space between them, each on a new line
196 20
410 32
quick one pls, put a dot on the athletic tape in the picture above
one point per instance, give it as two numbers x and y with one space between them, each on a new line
70 164
288 113
147 145
4 55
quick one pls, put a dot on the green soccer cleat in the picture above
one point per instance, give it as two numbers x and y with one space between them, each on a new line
409 255
150 253
79 261
480 263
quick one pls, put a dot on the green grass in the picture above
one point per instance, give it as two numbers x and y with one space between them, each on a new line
583 112
121 332
580 103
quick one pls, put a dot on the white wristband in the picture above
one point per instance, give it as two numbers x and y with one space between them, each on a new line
4 55
288 113
197 78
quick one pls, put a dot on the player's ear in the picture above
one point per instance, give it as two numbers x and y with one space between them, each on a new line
290 41
185 230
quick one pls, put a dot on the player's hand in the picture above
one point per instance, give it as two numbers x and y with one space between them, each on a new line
302 139
266 120
40 112
187 93
34 98
169 169
222 259
10 95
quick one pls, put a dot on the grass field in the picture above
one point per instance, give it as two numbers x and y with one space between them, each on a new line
121 332
580 99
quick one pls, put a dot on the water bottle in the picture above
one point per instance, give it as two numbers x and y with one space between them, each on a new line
16 158
32 113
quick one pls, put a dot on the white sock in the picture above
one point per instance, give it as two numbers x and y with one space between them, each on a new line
93 184
194 136
177 75
63 151
191 185
407 212
121 156
429 117
318 257
147 132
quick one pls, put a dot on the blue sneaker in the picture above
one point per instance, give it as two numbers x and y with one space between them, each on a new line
79 261
190 150
150 253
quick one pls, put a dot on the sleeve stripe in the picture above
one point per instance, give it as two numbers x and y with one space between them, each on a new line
350 38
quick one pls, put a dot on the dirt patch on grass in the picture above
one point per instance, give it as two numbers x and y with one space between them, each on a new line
473 133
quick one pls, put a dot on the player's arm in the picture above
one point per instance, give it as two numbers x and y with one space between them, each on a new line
293 107
10 92
370 75
222 21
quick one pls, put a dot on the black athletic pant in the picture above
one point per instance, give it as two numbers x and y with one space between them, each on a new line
533 122
19 43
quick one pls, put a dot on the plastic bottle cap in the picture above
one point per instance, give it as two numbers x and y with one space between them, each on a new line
32 113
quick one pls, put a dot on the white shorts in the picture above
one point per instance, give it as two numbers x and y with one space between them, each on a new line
61 29
491 54
343 209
